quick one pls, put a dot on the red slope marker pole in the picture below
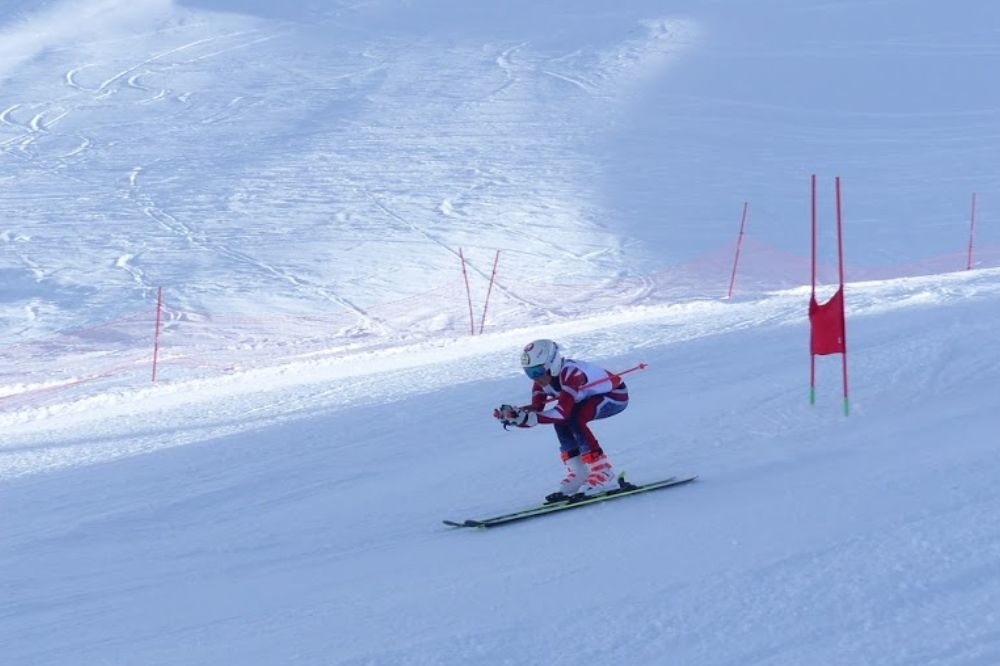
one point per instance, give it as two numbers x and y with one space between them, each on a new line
468 293
489 290
739 244
156 331
972 232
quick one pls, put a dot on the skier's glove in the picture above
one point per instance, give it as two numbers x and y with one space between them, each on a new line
505 414
521 417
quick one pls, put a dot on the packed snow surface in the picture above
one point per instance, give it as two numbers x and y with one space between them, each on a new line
350 216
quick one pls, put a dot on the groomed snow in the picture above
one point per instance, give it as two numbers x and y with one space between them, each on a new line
301 180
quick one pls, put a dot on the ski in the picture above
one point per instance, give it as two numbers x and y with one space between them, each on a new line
625 489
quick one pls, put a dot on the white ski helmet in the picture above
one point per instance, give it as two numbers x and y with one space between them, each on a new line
541 356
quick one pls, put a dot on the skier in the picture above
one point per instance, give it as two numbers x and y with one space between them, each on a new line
583 392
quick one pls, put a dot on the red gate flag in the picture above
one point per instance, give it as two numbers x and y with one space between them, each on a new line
827 321
828 334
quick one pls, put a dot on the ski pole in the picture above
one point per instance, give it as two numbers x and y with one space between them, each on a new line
641 366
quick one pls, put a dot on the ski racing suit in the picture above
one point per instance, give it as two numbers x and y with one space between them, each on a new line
583 392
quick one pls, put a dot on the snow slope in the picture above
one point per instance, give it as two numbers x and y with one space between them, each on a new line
300 179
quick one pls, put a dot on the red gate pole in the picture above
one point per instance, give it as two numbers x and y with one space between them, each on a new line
840 254
812 356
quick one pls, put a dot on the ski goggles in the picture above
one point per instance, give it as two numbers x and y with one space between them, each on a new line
535 371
